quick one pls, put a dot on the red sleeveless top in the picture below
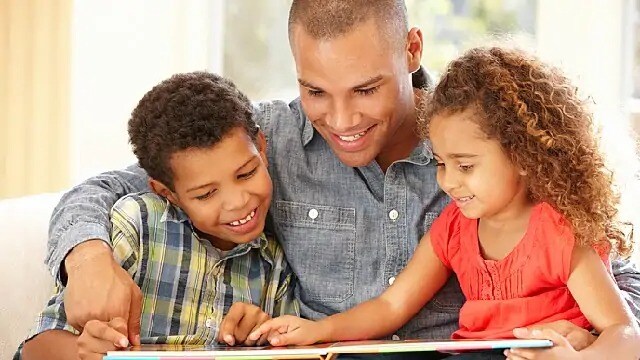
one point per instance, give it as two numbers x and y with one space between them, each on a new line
528 286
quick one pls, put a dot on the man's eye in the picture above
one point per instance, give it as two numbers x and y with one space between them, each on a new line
315 92
368 91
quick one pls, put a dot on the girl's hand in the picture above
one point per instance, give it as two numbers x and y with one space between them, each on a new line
290 330
561 349
240 321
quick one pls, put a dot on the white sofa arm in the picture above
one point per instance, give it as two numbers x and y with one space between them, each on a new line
25 282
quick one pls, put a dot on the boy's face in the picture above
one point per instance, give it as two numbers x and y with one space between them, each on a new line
225 190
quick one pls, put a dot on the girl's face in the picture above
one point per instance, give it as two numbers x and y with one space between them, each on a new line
474 170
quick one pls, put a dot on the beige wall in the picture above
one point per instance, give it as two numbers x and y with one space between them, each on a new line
34 95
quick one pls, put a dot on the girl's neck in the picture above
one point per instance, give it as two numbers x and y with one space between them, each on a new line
499 234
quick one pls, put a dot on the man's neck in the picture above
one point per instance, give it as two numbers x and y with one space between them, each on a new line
400 145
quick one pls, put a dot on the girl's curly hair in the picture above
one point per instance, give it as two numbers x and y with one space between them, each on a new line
536 115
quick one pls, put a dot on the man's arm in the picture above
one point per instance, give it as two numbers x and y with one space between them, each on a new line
83 214
51 345
627 277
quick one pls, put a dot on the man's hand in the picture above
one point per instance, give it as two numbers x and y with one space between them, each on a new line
291 330
98 288
578 337
239 322
561 350
98 337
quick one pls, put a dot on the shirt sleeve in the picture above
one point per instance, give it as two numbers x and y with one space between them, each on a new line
125 235
440 234
285 302
83 214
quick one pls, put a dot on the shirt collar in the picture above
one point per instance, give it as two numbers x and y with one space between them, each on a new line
173 213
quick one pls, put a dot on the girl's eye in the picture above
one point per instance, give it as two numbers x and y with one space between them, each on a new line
465 168
440 164
207 195
248 175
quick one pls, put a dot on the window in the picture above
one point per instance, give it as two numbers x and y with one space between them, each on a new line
451 26
258 58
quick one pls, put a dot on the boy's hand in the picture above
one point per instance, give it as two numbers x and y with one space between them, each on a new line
98 288
561 349
239 322
98 337
578 337
290 330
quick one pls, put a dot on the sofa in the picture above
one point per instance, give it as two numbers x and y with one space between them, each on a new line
25 282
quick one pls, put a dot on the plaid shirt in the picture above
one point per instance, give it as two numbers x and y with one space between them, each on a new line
187 284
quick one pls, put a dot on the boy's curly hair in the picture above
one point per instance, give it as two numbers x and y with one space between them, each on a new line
191 110
536 115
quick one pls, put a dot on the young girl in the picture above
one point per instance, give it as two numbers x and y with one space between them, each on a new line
530 226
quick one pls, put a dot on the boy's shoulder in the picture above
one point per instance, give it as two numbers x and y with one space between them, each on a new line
141 201
142 207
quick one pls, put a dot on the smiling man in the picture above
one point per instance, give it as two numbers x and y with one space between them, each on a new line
354 189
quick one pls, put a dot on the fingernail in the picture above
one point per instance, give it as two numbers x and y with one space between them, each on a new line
123 343
137 338
229 339
275 342
536 332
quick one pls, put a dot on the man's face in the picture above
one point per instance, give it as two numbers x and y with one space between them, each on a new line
356 90
225 190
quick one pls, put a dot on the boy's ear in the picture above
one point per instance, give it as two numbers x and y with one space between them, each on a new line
262 146
162 190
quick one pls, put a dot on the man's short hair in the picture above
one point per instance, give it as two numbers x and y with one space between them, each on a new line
328 19
192 110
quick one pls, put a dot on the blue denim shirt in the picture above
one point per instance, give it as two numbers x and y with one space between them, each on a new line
347 232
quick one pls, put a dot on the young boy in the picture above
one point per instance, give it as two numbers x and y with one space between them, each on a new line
195 246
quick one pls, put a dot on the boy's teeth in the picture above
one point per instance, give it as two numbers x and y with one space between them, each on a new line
352 137
243 221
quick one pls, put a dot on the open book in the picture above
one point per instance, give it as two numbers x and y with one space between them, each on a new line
319 351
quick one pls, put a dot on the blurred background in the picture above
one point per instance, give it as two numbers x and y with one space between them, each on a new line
72 71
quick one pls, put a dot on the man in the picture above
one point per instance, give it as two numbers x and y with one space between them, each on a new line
354 189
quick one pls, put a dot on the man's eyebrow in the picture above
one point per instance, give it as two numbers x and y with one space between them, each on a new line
364 84
308 84
369 82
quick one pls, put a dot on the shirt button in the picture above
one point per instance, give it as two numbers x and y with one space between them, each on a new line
313 214
392 280
208 323
393 214
395 337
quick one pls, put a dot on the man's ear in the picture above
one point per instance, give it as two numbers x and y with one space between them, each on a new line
414 49
261 143
162 190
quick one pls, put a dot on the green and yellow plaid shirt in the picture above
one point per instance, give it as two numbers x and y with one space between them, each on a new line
187 284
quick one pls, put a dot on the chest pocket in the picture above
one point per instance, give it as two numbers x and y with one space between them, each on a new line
319 242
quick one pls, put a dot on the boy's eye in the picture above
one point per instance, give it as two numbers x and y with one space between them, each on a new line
368 91
248 174
465 168
207 195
